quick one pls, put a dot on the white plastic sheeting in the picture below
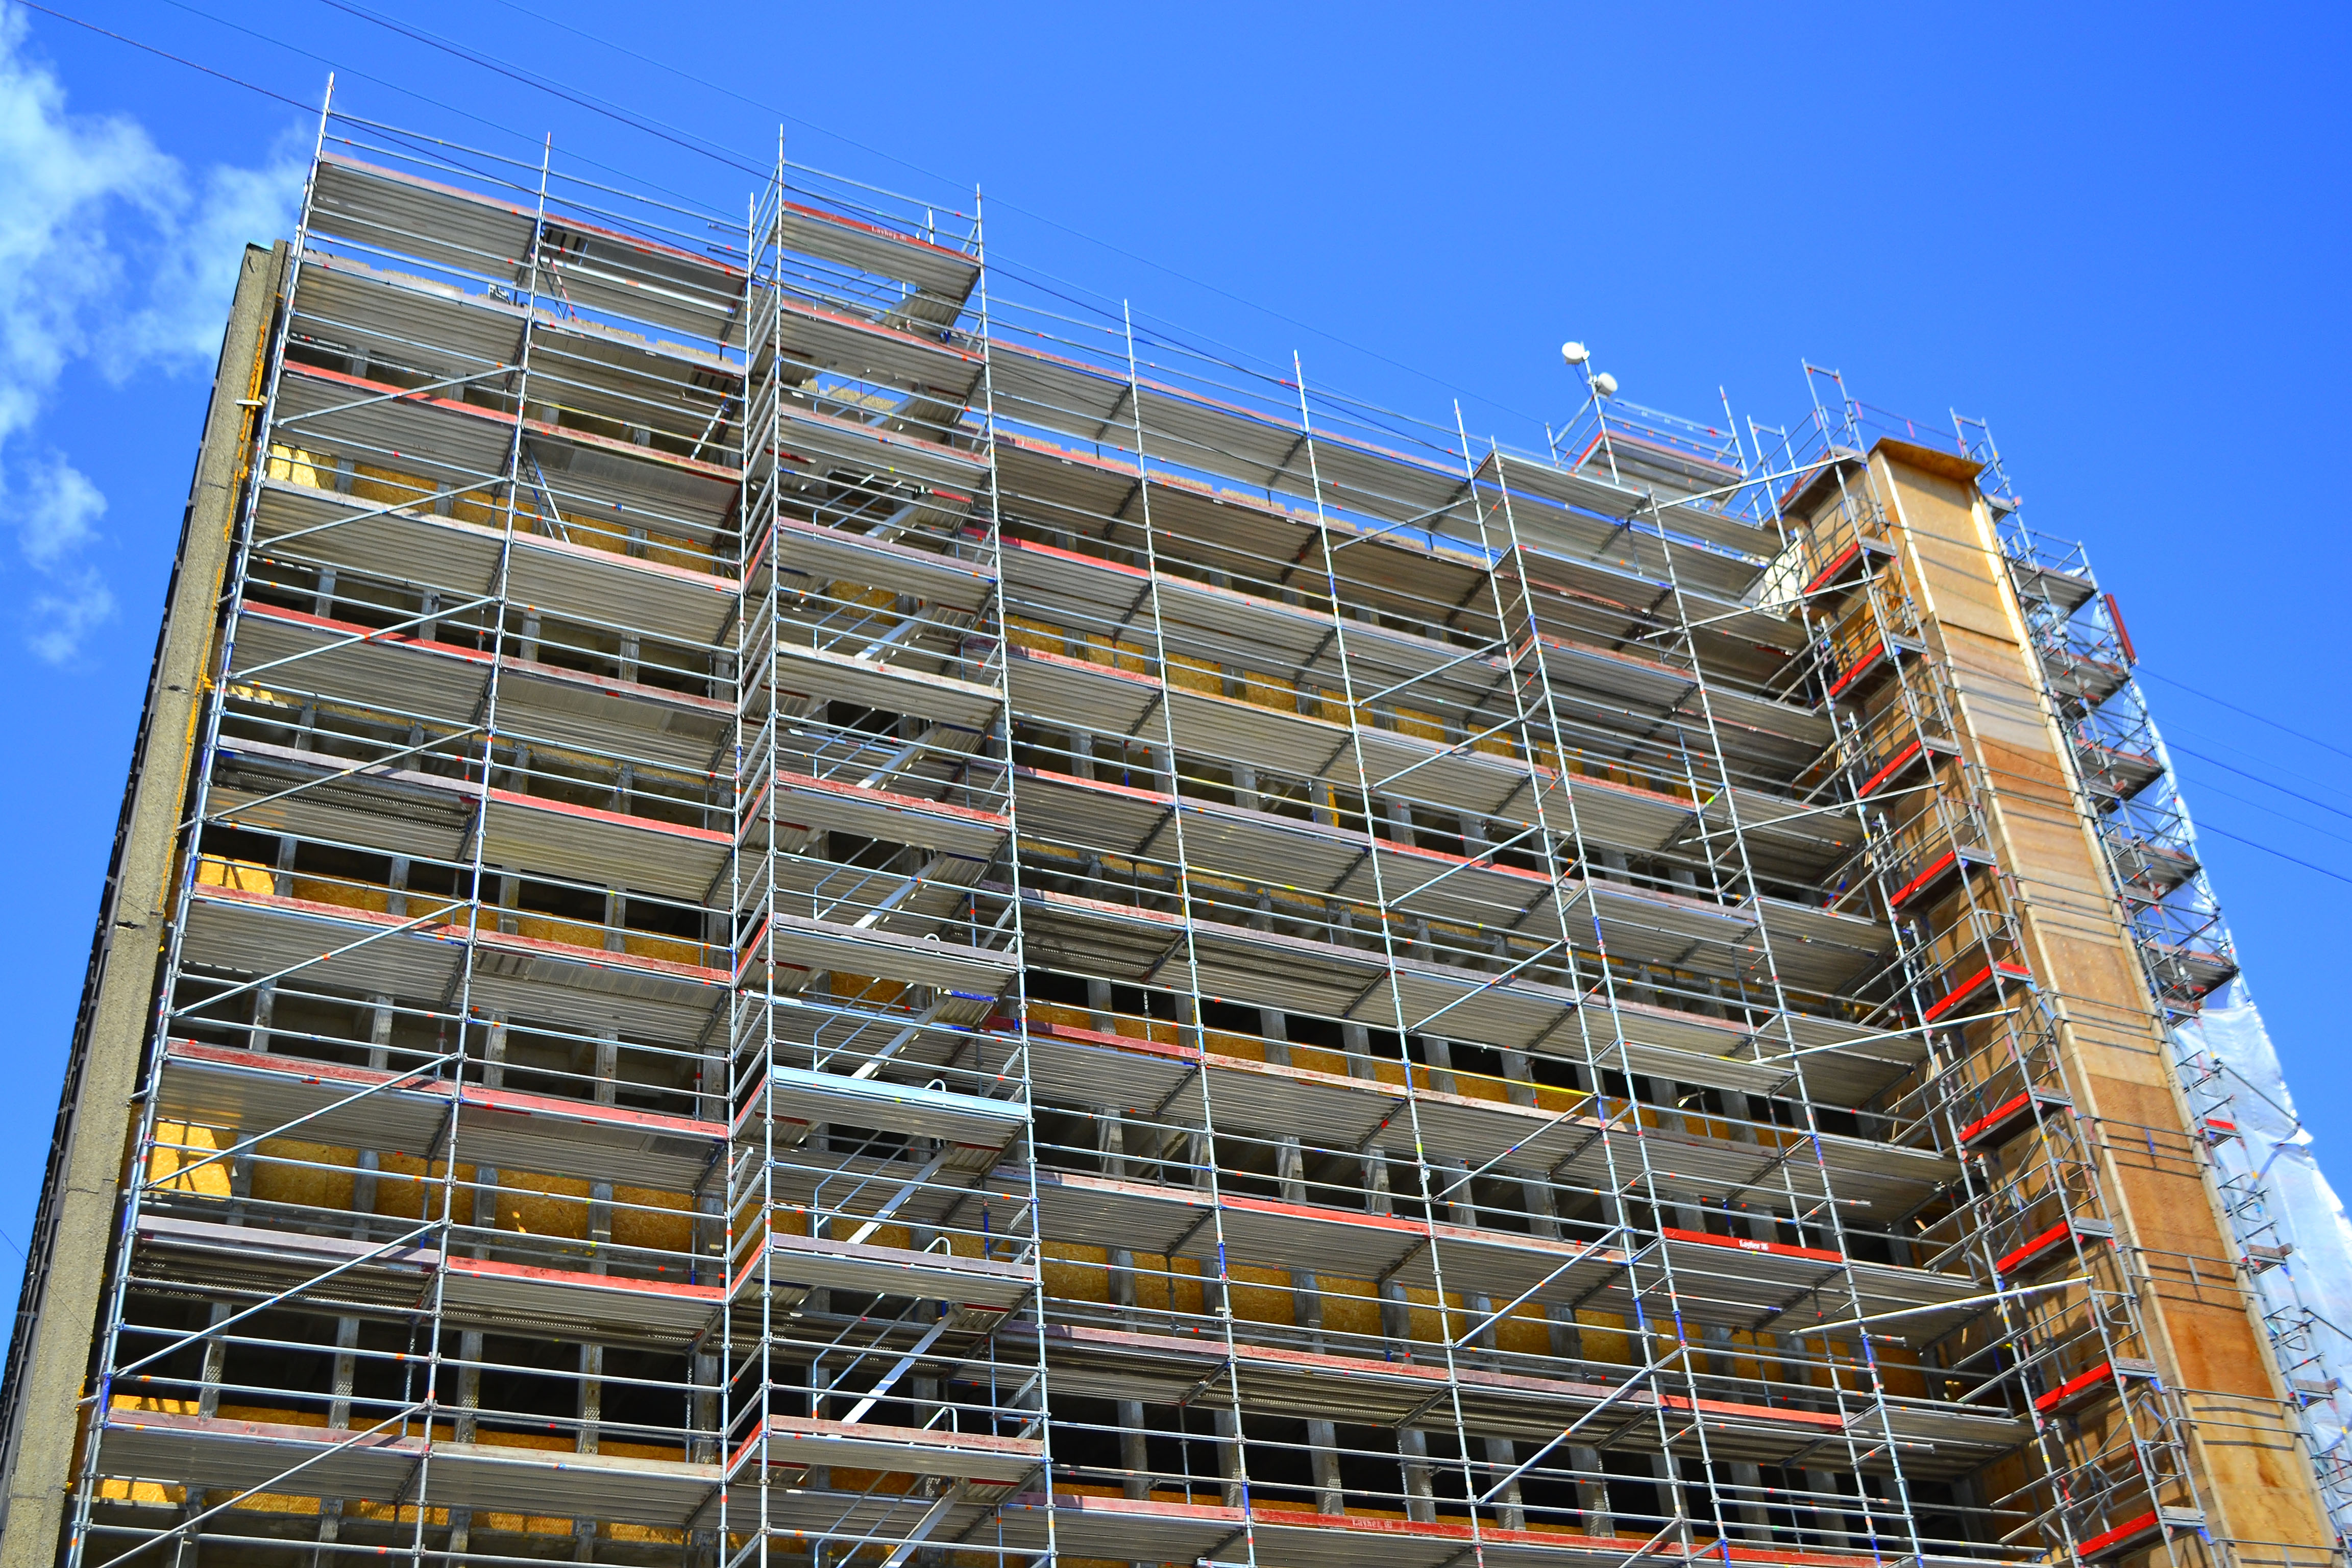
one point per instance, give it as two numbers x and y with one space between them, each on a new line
2274 1154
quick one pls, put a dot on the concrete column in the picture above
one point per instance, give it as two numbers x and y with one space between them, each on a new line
510 886
1112 1132
705 1449
608 1064
470 1386
1323 1454
1541 1202
1755 1222
1829 1518
599 1226
1566 1337
486 1207
1275 1025
365 1165
1519 1077
240 1186
215 1362
1413 1456
265 1009
591 1396
1134 1451
617 921
1747 1512
1660 1095
592 1420
1231 1468
1396 1321
463 1427
1290 1169
339 1418
380 1017
1245 784
1438 1054
1199 1158
1476 1307
1307 1307
1123 1278
1378 1198
1477 833
494 1053
1502 1457
1449 1181
1305 1296
711 1103
1668 1476
1593 1490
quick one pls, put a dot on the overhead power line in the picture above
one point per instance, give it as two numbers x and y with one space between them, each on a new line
166 54
689 141
2267 849
2258 778
555 87
2247 713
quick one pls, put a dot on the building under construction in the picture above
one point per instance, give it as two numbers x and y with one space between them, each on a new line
781 901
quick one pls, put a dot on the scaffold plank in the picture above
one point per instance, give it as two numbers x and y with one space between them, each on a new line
255 1092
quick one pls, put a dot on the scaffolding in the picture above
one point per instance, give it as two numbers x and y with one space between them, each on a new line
835 909
2184 944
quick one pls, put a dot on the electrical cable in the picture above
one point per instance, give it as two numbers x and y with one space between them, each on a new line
705 147
2256 844
2248 712
686 140
556 88
2208 787
2267 783
340 68
2250 757
166 54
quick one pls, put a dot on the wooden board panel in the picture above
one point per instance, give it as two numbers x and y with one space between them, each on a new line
2250 1474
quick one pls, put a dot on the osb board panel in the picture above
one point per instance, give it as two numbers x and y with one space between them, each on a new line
2252 1476
1961 589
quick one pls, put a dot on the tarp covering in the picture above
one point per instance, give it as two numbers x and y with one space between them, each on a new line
2273 1149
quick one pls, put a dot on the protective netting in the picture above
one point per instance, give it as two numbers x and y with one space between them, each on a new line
2272 1175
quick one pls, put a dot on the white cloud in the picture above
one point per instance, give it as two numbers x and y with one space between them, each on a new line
193 270
110 253
55 505
58 620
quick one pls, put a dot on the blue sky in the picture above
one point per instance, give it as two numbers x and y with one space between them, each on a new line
2119 235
